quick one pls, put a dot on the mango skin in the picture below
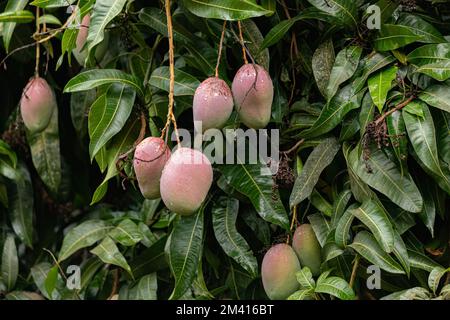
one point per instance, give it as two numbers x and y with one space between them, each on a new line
279 266
185 181
213 103
78 52
307 248
253 95
150 157
37 105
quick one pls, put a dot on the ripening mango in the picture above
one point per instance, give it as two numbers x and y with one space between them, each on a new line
307 248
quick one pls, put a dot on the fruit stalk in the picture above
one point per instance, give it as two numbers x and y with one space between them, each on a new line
220 48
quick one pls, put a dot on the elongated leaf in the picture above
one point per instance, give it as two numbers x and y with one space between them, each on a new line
10 262
417 293
331 250
393 36
344 67
322 63
185 250
400 252
145 289
430 53
439 70
380 84
375 218
126 233
422 28
387 179
225 9
437 96
39 273
108 115
248 180
82 236
335 286
304 294
435 277
399 141
305 278
45 152
421 261
344 10
321 226
224 215
372 63
150 260
333 113
185 84
104 12
94 78
428 213
20 195
108 252
8 27
21 16
339 205
366 245
52 3
80 102
341 234
317 161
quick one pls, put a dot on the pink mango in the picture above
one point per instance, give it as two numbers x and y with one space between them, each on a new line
307 248
213 103
185 181
253 95
150 157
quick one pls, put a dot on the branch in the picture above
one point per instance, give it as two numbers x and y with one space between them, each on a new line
396 108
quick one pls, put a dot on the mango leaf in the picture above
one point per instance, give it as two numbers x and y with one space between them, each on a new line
437 96
344 67
322 64
341 234
80 103
331 250
339 205
20 195
108 252
108 115
393 36
439 70
333 113
305 278
321 226
20 16
10 262
366 245
82 236
387 179
51 280
417 293
94 78
429 54
185 84
126 233
401 253
428 213
345 11
145 289
150 260
45 153
335 286
317 161
185 250
225 9
420 261
224 215
39 272
380 84
435 277
442 124
8 27
23 295
248 180
304 294
399 141
422 28
375 218
46 4
103 13
372 63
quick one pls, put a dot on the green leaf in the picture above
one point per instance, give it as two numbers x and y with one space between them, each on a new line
339 205
372 63
8 27
422 28
344 67
150 260
108 115
185 250
82 236
94 78
417 293
20 16
322 64
321 226
330 249
380 84
341 235
20 195
49 19
366 245
225 9
439 70
420 261
45 152
375 218
430 53
317 161
80 103
224 215
437 96
108 252
393 36
435 277
305 278
258 187
10 262
344 10
399 141
428 213
185 84
305 294
126 233
145 289
103 13
422 135
46 4
400 252
23 295
50 280
335 286
39 272
333 113
387 179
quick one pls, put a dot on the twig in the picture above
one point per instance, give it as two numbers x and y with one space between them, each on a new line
241 39
220 48
115 286
294 38
355 267
293 220
38 47
298 144
396 108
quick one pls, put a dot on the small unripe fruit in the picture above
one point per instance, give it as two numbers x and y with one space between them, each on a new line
150 157
185 181
307 248
37 105
279 266
253 95
80 52
213 103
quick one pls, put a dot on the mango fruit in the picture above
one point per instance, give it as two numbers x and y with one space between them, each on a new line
307 248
